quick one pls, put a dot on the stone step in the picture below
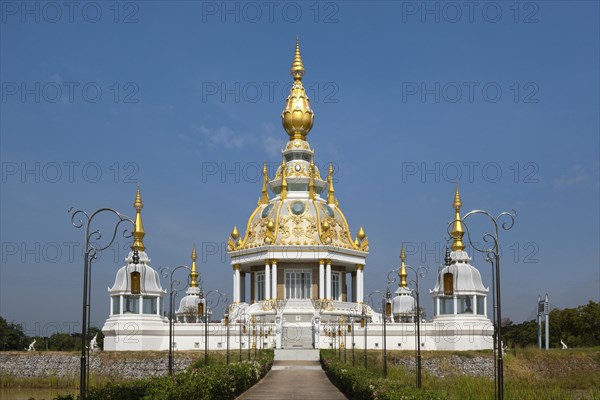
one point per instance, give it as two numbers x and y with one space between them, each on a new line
296 354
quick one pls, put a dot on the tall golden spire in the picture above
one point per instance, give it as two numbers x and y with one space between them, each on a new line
138 230
311 184
297 117
194 272
457 229
402 273
297 70
283 180
330 192
265 191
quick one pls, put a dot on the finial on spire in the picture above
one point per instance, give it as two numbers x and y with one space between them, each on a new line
297 117
283 180
194 271
403 273
265 191
331 191
297 70
447 259
457 230
457 202
138 230
311 185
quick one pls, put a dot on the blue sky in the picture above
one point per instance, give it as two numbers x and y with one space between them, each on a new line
187 96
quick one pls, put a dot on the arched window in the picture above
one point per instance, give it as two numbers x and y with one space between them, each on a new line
448 284
135 283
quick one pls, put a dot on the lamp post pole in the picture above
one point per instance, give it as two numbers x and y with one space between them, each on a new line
387 303
240 333
222 297
364 322
492 255
226 316
420 272
169 272
353 343
79 219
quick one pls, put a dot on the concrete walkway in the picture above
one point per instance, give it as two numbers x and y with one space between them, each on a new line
289 380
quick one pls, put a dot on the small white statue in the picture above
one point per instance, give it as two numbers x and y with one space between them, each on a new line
32 346
563 344
94 343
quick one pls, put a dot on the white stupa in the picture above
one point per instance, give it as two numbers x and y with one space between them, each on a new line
135 298
459 293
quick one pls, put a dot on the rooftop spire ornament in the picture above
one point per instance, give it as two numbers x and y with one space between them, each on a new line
265 191
403 274
194 271
457 229
330 192
297 117
138 231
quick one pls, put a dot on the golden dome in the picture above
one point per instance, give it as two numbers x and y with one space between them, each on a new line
297 117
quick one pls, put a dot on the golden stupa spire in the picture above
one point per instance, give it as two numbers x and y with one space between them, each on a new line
297 116
138 230
265 191
194 271
311 185
457 229
297 70
402 273
283 180
330 192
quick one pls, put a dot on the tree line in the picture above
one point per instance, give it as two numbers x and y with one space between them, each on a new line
577 327
13 337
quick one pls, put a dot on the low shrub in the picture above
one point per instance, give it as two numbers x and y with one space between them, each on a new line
360 384
202 382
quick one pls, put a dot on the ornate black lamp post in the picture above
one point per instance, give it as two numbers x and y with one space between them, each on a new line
209 297
370 301
364 324
79 219
168 272
387 311
492 255
420 272
226 318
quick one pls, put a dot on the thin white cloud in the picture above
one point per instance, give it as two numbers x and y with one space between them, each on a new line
273 145
224 136
575 175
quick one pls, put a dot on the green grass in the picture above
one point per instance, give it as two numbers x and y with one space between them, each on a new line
529 374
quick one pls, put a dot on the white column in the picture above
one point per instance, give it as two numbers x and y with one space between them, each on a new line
236 283
474 302
274 279
158 306
111 306
267 280
359 283
328 280
234 289
455 300
121 304
321 279
485 306
242 287
141 304
437 308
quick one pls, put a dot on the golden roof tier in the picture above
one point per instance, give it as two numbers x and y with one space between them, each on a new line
299 212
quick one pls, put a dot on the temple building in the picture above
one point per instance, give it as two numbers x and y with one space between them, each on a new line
302 261
298 274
